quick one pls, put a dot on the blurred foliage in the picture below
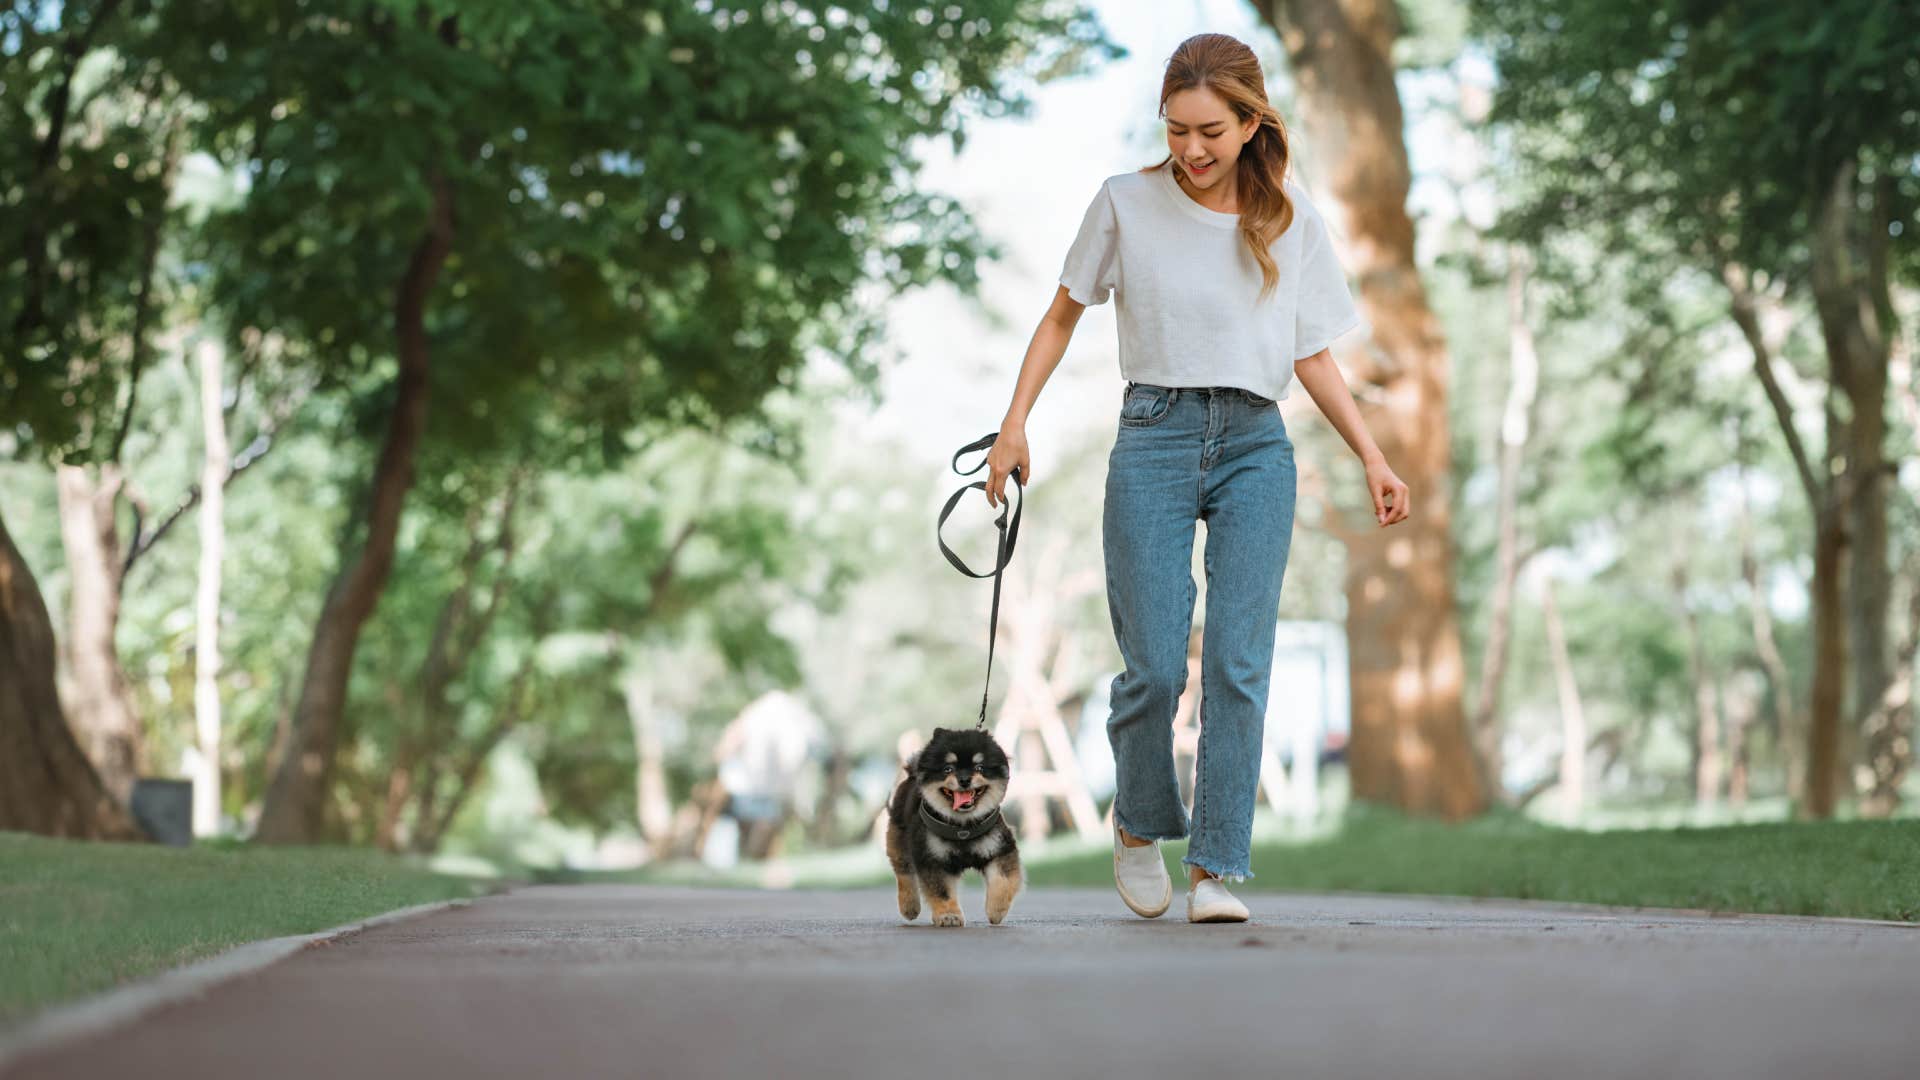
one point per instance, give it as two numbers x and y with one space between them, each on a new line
671 218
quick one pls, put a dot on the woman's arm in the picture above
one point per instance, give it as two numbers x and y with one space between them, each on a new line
1043 355
1328 389
1049 344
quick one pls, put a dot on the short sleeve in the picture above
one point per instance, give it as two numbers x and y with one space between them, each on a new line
1325 306
1092 268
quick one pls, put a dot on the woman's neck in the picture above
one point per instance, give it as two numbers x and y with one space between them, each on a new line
1229 200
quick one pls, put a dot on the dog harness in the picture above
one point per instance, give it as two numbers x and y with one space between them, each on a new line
957 832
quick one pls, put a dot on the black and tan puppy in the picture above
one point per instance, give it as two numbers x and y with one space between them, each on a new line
944 819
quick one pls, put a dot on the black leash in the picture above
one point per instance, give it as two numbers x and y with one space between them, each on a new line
1009 532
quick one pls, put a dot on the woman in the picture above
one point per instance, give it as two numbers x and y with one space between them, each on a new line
1228 286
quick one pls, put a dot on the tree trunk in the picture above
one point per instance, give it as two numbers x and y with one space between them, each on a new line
1849 277
216 461
655 810
1573 716
1744 689
1706 700
297 796
433 814
1826 490
47 785
1824 765
1523 380
1890 743
1788 734
1889 727
386 831
432 823
102 703
1410 745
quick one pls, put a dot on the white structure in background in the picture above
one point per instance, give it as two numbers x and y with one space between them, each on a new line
1309 715
722 849
764 764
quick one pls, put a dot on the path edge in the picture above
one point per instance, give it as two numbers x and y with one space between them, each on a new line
1577 907
62 1024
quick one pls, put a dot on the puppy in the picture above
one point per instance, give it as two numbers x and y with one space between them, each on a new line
944 818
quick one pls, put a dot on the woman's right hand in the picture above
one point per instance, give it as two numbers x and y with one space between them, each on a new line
1009 451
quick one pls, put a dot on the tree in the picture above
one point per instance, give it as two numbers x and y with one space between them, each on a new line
1765 150
91 144
1410 746
598 216
46 783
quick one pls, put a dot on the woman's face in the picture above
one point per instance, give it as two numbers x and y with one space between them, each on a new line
1203 136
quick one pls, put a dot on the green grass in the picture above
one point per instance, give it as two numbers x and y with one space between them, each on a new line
80 917
1863 869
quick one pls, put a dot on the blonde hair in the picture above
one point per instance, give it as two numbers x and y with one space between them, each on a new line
1226 66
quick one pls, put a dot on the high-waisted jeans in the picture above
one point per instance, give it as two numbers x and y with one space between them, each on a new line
1219 455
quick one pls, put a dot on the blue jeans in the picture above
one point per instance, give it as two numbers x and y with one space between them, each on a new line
1220 455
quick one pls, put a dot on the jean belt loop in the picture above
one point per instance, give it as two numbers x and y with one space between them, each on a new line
1173 395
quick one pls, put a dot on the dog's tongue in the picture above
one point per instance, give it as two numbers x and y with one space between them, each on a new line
962 800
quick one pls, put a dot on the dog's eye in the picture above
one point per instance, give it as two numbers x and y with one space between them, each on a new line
949 768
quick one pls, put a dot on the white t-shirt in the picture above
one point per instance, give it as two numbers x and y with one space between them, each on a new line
1187 286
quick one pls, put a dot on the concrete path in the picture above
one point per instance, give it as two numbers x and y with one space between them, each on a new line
664 983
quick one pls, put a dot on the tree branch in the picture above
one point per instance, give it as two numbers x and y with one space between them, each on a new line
1745 314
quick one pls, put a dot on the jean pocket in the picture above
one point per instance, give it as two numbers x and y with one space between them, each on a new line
1144 406
1256 400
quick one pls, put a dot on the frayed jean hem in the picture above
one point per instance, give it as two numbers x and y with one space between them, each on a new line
1216 870
1138 835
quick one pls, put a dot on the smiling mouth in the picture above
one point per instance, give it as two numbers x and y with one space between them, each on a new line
962 800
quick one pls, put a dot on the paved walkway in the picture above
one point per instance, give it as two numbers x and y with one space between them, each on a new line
664 983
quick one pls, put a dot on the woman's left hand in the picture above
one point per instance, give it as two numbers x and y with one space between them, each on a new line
1389 494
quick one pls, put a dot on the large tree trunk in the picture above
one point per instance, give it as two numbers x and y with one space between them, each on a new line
47 785
297 796
100 699
1849 278
1827 499
1523 381
1410 746
1856 321
216 461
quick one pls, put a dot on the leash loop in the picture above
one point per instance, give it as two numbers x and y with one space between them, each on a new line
1009 534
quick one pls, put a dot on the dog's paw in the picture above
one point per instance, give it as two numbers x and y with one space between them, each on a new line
909 909
994 917
952 918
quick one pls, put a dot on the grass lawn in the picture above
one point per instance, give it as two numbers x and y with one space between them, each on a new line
80 917
1865 869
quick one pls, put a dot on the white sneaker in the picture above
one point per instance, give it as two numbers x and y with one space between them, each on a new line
1141 874
1209 901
